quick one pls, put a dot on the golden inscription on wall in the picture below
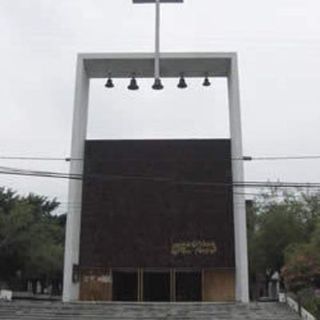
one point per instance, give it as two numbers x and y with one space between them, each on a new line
196 247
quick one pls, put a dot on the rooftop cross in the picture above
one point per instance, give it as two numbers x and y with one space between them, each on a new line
157 83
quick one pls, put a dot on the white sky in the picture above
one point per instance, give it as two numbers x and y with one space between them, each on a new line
278 42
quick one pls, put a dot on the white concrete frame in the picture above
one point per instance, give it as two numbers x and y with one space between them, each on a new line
122 65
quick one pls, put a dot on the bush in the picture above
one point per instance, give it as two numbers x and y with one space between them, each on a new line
310 301
302 268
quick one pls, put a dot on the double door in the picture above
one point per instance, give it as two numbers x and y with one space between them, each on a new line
156 285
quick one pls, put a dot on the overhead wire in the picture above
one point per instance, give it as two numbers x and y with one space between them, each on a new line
236 184
67 159
244 158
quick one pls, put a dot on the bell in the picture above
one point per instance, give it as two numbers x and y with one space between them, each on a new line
109 83
182 83
157 84
206 82
133 84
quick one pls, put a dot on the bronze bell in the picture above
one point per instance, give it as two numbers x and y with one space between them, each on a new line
109 83
182 83
133 84
206 82
157 84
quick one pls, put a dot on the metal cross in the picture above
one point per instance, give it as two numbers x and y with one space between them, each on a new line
157 38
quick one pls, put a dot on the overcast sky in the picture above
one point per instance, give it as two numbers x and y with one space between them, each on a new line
278 42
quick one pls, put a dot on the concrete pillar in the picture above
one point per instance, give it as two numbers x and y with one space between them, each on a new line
79 132
240 226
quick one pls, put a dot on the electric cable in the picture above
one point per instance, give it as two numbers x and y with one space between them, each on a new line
244 158
235 184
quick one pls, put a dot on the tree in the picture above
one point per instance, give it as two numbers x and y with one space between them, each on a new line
45 252
279 220
14 237
31 237
8 198
302 264
280 225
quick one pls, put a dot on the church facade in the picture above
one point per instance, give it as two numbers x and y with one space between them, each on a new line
157 221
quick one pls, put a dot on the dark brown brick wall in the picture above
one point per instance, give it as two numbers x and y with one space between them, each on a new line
130 221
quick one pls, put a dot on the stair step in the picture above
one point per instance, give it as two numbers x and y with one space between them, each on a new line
34 310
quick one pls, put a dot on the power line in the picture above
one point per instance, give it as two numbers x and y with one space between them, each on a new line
276 193
311 157
67 159
44 174
69 177
244 158
235 184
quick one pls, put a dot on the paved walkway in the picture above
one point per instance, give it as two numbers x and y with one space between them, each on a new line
144 311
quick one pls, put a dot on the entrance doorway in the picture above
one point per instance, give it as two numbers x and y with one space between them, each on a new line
188 286
125 286
156 286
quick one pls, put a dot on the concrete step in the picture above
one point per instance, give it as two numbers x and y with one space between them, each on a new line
27 310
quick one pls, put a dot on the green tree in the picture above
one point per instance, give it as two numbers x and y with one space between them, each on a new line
14 237
279 220
302 264
31 237
8 198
